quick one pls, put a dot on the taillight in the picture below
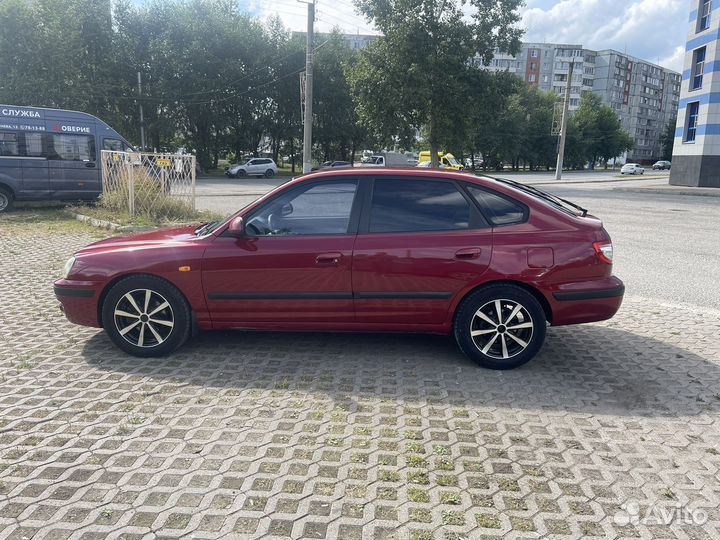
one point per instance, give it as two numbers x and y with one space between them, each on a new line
604 251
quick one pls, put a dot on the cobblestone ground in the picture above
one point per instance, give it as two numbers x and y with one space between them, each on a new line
249 435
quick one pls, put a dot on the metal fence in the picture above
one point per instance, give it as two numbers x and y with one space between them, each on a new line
154 185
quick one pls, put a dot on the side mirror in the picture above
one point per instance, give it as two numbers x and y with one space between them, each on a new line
286 209
237 227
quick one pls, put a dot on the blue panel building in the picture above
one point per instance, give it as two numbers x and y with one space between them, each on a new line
696 155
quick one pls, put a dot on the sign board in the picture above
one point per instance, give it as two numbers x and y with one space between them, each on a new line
165 163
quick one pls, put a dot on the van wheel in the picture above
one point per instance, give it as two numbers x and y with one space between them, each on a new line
146 316
500 326
6 200
269 173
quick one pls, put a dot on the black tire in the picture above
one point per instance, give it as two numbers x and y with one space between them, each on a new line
178 313
6 200
240 174
509 296
269 173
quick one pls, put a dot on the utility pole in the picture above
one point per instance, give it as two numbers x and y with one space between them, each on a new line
563 129
308 119
142 119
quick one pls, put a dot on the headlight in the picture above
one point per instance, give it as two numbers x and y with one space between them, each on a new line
68 267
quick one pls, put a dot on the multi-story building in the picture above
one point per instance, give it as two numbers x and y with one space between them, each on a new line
696 153
644 95
547 65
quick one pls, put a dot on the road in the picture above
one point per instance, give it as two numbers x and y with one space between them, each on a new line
666 245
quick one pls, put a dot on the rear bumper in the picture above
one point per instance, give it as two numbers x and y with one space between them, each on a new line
78 301
588 301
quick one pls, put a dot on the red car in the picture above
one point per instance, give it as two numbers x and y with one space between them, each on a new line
489 261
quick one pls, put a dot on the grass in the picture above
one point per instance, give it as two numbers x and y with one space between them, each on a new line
52 220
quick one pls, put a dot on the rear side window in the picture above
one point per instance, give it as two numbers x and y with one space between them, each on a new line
9 144
417 205
499 210
71 147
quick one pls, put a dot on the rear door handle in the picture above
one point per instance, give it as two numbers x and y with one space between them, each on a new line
90 164
468 253
328 258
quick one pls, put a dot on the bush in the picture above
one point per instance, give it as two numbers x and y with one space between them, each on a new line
151 199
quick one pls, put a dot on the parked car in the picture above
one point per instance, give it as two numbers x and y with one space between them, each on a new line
335 164
661 165
632 168
488 261
253 167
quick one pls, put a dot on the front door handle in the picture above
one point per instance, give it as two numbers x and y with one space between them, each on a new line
328 258
90 164
468 253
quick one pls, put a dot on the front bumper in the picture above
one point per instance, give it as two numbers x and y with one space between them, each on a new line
78 301
588 301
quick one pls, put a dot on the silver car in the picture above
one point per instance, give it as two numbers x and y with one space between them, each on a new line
253 167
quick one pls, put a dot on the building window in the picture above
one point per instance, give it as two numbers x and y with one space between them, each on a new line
534 53
532 77
692 120
704 15
698 66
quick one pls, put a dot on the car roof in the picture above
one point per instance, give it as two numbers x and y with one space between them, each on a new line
409 172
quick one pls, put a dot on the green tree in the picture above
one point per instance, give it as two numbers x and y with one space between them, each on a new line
601 131
418 73
667 139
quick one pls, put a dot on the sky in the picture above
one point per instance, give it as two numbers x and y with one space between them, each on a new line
653 30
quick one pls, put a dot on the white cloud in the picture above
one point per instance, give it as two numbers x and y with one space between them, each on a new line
328 15
652 30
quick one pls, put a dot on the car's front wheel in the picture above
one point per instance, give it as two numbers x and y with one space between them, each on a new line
500 326
241 173
6 200
146 316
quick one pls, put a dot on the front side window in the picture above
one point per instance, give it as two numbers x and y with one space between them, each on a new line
417 205
693 109
71 147
9 144
115 145
319 209
498 209
698 68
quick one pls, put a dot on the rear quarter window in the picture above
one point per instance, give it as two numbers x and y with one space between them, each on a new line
499 209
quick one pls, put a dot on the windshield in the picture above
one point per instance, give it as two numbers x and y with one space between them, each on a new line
452 161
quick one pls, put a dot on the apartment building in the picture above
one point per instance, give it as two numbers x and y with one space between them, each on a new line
644 95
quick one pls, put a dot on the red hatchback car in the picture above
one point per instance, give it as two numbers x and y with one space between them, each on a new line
490 261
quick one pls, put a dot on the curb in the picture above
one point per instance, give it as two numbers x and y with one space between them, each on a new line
103 224
662 191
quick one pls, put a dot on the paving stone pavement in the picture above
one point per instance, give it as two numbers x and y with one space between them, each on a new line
251 435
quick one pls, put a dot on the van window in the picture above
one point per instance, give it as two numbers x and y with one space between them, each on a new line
71 147
34 145
115 145
8 144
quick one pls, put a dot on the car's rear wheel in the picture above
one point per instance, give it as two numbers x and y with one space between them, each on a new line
500 326
6 200
269 173
146 316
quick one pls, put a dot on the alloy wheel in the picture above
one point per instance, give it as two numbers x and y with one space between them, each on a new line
144 318
501 329
4 201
